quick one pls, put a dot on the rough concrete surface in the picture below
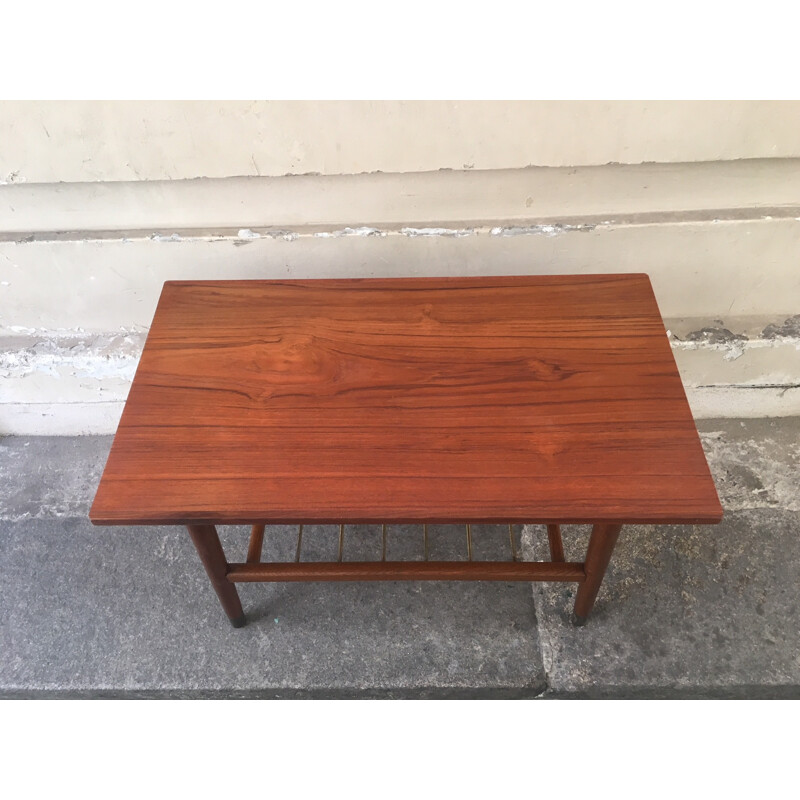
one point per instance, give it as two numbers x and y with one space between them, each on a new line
685 611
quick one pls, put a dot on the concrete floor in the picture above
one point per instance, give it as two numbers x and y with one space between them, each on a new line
685 611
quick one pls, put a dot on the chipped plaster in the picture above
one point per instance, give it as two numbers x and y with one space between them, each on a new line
59 355
733 345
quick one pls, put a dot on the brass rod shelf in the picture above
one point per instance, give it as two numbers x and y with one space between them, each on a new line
257 542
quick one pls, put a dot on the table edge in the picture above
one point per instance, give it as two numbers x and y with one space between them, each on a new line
694 519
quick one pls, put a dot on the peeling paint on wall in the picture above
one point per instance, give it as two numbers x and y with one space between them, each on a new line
789 329
244 235
457 232
362 231
99 357
540 230
730 343
287 236
715 336
735 345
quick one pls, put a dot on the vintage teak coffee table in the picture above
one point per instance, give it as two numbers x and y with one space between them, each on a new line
540 399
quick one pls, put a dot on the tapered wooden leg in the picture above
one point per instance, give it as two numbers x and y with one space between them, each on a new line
598 554
211 554
256 544
556 545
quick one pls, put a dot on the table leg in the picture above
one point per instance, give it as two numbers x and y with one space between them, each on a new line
598 554
556 545
213 557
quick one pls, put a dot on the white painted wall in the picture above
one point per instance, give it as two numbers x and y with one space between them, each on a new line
617 193
167 140
103 203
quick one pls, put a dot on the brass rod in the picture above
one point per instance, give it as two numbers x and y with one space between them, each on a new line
341 542
425 536
299 543
513 543
469 542
383 550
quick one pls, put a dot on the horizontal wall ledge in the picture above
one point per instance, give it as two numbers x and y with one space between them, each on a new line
699 269
456 200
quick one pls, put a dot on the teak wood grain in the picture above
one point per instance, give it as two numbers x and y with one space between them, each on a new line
545 399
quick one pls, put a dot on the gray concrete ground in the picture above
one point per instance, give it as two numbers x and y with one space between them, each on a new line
685 611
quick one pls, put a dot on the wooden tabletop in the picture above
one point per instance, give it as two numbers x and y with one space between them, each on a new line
512 399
